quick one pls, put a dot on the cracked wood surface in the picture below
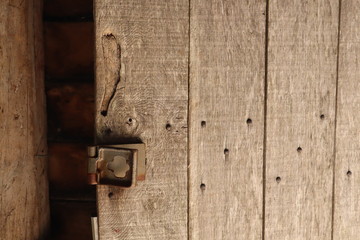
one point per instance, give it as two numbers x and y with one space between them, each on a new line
111 52
24 210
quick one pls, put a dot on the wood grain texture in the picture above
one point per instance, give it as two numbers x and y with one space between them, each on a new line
227 69
149 103
24 210
347 165
302 57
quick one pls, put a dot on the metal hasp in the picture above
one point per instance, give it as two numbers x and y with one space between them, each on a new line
120 165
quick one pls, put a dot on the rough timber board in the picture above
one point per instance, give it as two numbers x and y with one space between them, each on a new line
302 55
24 209
347 165
227 63
142 89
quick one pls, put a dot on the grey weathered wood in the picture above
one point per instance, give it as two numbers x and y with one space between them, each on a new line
24 210
227 63
302 56
347 165
142 93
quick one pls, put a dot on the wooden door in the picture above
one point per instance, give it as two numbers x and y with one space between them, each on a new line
248 110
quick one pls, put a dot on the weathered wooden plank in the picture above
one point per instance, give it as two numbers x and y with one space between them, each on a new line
347 165
227 69
300 121
24 210
142 93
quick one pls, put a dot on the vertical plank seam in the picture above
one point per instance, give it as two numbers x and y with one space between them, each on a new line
265 113
96 140
189 127
335 122
30 48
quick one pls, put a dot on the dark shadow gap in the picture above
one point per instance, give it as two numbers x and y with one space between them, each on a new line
69 83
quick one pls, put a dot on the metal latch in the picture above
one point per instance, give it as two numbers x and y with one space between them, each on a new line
121 165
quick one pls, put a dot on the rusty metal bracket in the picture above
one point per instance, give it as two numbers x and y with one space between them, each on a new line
120 165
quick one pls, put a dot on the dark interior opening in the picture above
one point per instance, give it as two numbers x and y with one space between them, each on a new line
69 81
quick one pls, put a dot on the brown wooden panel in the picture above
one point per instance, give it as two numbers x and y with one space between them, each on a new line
347 165
300 120
24 210
227 70
69 50
142 93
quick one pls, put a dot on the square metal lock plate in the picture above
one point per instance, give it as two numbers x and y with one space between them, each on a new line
120 165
